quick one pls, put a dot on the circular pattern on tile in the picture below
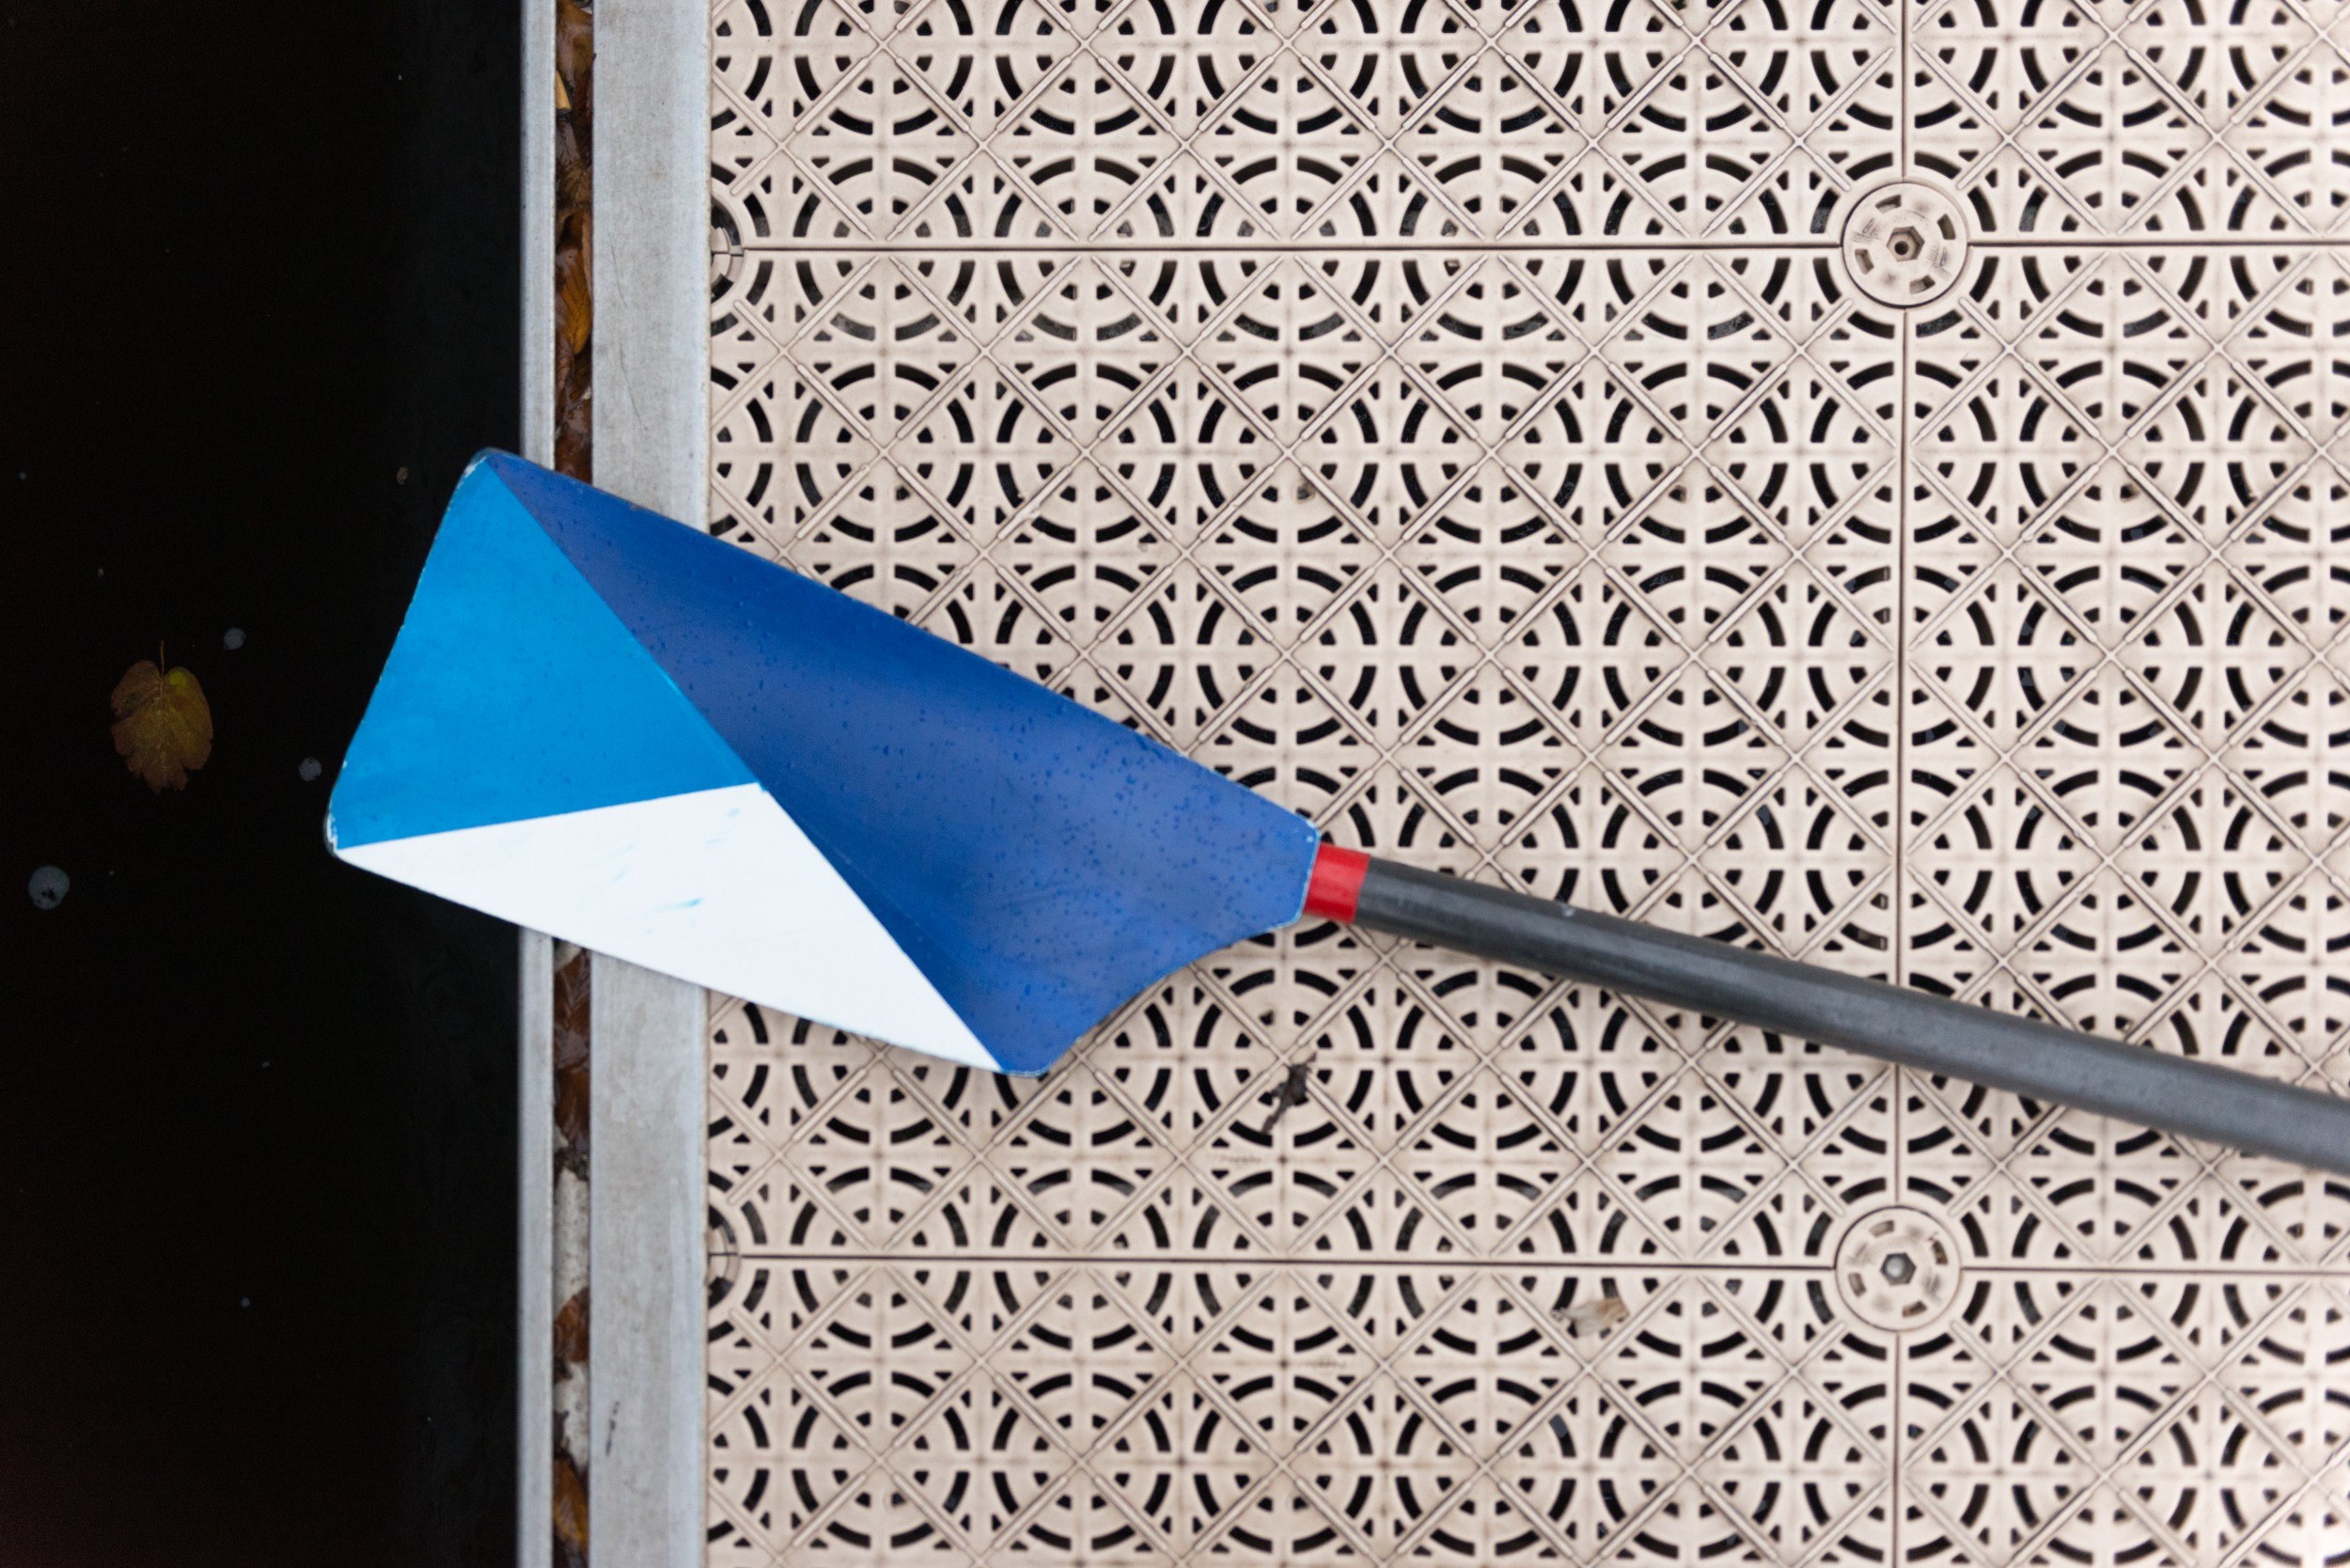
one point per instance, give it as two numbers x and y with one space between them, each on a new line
1904 244
1897 1268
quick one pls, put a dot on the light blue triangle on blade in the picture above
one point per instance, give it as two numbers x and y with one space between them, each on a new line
513 692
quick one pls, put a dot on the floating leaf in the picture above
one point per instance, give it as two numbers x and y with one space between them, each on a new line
163 724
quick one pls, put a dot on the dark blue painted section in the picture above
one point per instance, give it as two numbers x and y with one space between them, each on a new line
513 692
1040 862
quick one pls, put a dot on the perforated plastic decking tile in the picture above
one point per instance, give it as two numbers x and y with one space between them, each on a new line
1866 481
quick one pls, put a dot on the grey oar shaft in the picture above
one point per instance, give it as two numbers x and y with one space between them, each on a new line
2129 1082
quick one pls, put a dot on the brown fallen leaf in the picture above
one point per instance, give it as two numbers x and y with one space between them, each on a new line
574 1008
163 724
574 183
571 1508
574 992
574 53
570 1329
563 361
574 297
574 265
574 429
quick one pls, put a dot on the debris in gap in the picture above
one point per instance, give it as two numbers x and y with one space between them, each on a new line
574 50
571 1513
571 1336
1595 1316
574 237
574 303
573 456
571 1058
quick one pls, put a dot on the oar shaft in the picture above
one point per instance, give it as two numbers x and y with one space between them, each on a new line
2126 1082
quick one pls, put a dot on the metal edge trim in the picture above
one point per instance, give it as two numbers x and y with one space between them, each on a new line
649 1106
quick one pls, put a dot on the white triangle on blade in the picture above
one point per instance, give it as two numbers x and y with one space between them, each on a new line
717 887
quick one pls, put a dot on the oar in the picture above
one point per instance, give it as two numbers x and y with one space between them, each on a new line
618 730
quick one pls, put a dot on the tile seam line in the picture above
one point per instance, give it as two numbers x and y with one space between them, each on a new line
1828 1267
1898 1454
1818 247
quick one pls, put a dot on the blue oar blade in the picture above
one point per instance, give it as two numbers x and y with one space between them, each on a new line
961 860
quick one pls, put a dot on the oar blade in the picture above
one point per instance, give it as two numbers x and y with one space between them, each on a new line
618 730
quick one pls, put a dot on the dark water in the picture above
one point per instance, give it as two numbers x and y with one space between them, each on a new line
256 1108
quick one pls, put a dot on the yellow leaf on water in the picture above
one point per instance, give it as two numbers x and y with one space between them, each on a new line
163 724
